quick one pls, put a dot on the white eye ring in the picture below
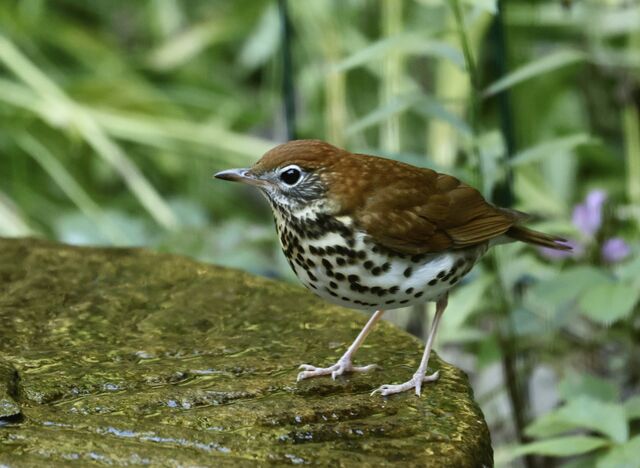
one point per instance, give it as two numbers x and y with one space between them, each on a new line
291 175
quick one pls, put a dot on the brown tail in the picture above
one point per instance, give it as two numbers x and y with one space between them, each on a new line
530 236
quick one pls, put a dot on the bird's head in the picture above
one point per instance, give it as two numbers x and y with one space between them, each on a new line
293 175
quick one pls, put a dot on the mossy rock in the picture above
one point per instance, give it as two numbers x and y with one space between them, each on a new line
129 357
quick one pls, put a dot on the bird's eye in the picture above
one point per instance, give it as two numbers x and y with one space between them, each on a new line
290 176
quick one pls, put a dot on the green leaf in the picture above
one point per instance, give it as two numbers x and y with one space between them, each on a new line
462 303
583 413
489 6
575 384
71 187
430 107
561 446
632 407
607 303
631 120
550 148
12 223
263 41
407 43
532 69
382 113
569 284
626 455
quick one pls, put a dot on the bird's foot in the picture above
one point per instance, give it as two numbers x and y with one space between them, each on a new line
415 382
343 365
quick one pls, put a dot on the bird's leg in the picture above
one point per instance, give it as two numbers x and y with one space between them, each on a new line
344 363
421 374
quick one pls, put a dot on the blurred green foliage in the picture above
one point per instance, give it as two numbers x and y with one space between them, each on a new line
114 115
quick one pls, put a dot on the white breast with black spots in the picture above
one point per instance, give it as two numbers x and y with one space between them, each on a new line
348 268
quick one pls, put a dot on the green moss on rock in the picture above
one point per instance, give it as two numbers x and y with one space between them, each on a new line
128 357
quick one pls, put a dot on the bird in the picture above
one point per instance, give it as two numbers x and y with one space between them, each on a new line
375 234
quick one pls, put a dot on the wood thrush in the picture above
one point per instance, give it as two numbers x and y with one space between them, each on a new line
370 233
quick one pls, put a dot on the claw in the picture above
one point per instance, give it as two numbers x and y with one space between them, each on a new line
339 368
415 383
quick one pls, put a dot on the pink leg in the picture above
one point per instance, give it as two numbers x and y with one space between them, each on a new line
421 374
344 363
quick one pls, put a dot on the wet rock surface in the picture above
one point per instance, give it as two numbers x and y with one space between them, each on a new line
128 357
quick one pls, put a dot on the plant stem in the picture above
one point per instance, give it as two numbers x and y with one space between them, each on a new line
288 90
391 75
471 66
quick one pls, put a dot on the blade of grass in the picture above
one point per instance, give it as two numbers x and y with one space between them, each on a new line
411 44
70 186
11 223
392 71
382 113
559 59
549 148
149 129
631 122
71 115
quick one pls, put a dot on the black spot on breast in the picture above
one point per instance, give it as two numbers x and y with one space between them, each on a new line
333 285
313 286
407 272
376 271
441 274
404 301
311 263
433 282
390 301
327 264
394 289
409 290
339 276
386 266
313 250
368 264
345 298
353 278
418 294
454 280
376 289
362 254
417 258
311 276
341 261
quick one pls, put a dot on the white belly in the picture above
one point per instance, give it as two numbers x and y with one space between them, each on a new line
362 276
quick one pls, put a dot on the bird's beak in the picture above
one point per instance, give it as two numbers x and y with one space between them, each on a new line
239 175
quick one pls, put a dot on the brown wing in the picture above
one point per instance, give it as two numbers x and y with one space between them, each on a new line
413 210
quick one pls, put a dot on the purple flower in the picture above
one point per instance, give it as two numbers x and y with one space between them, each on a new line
615 249
587 216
